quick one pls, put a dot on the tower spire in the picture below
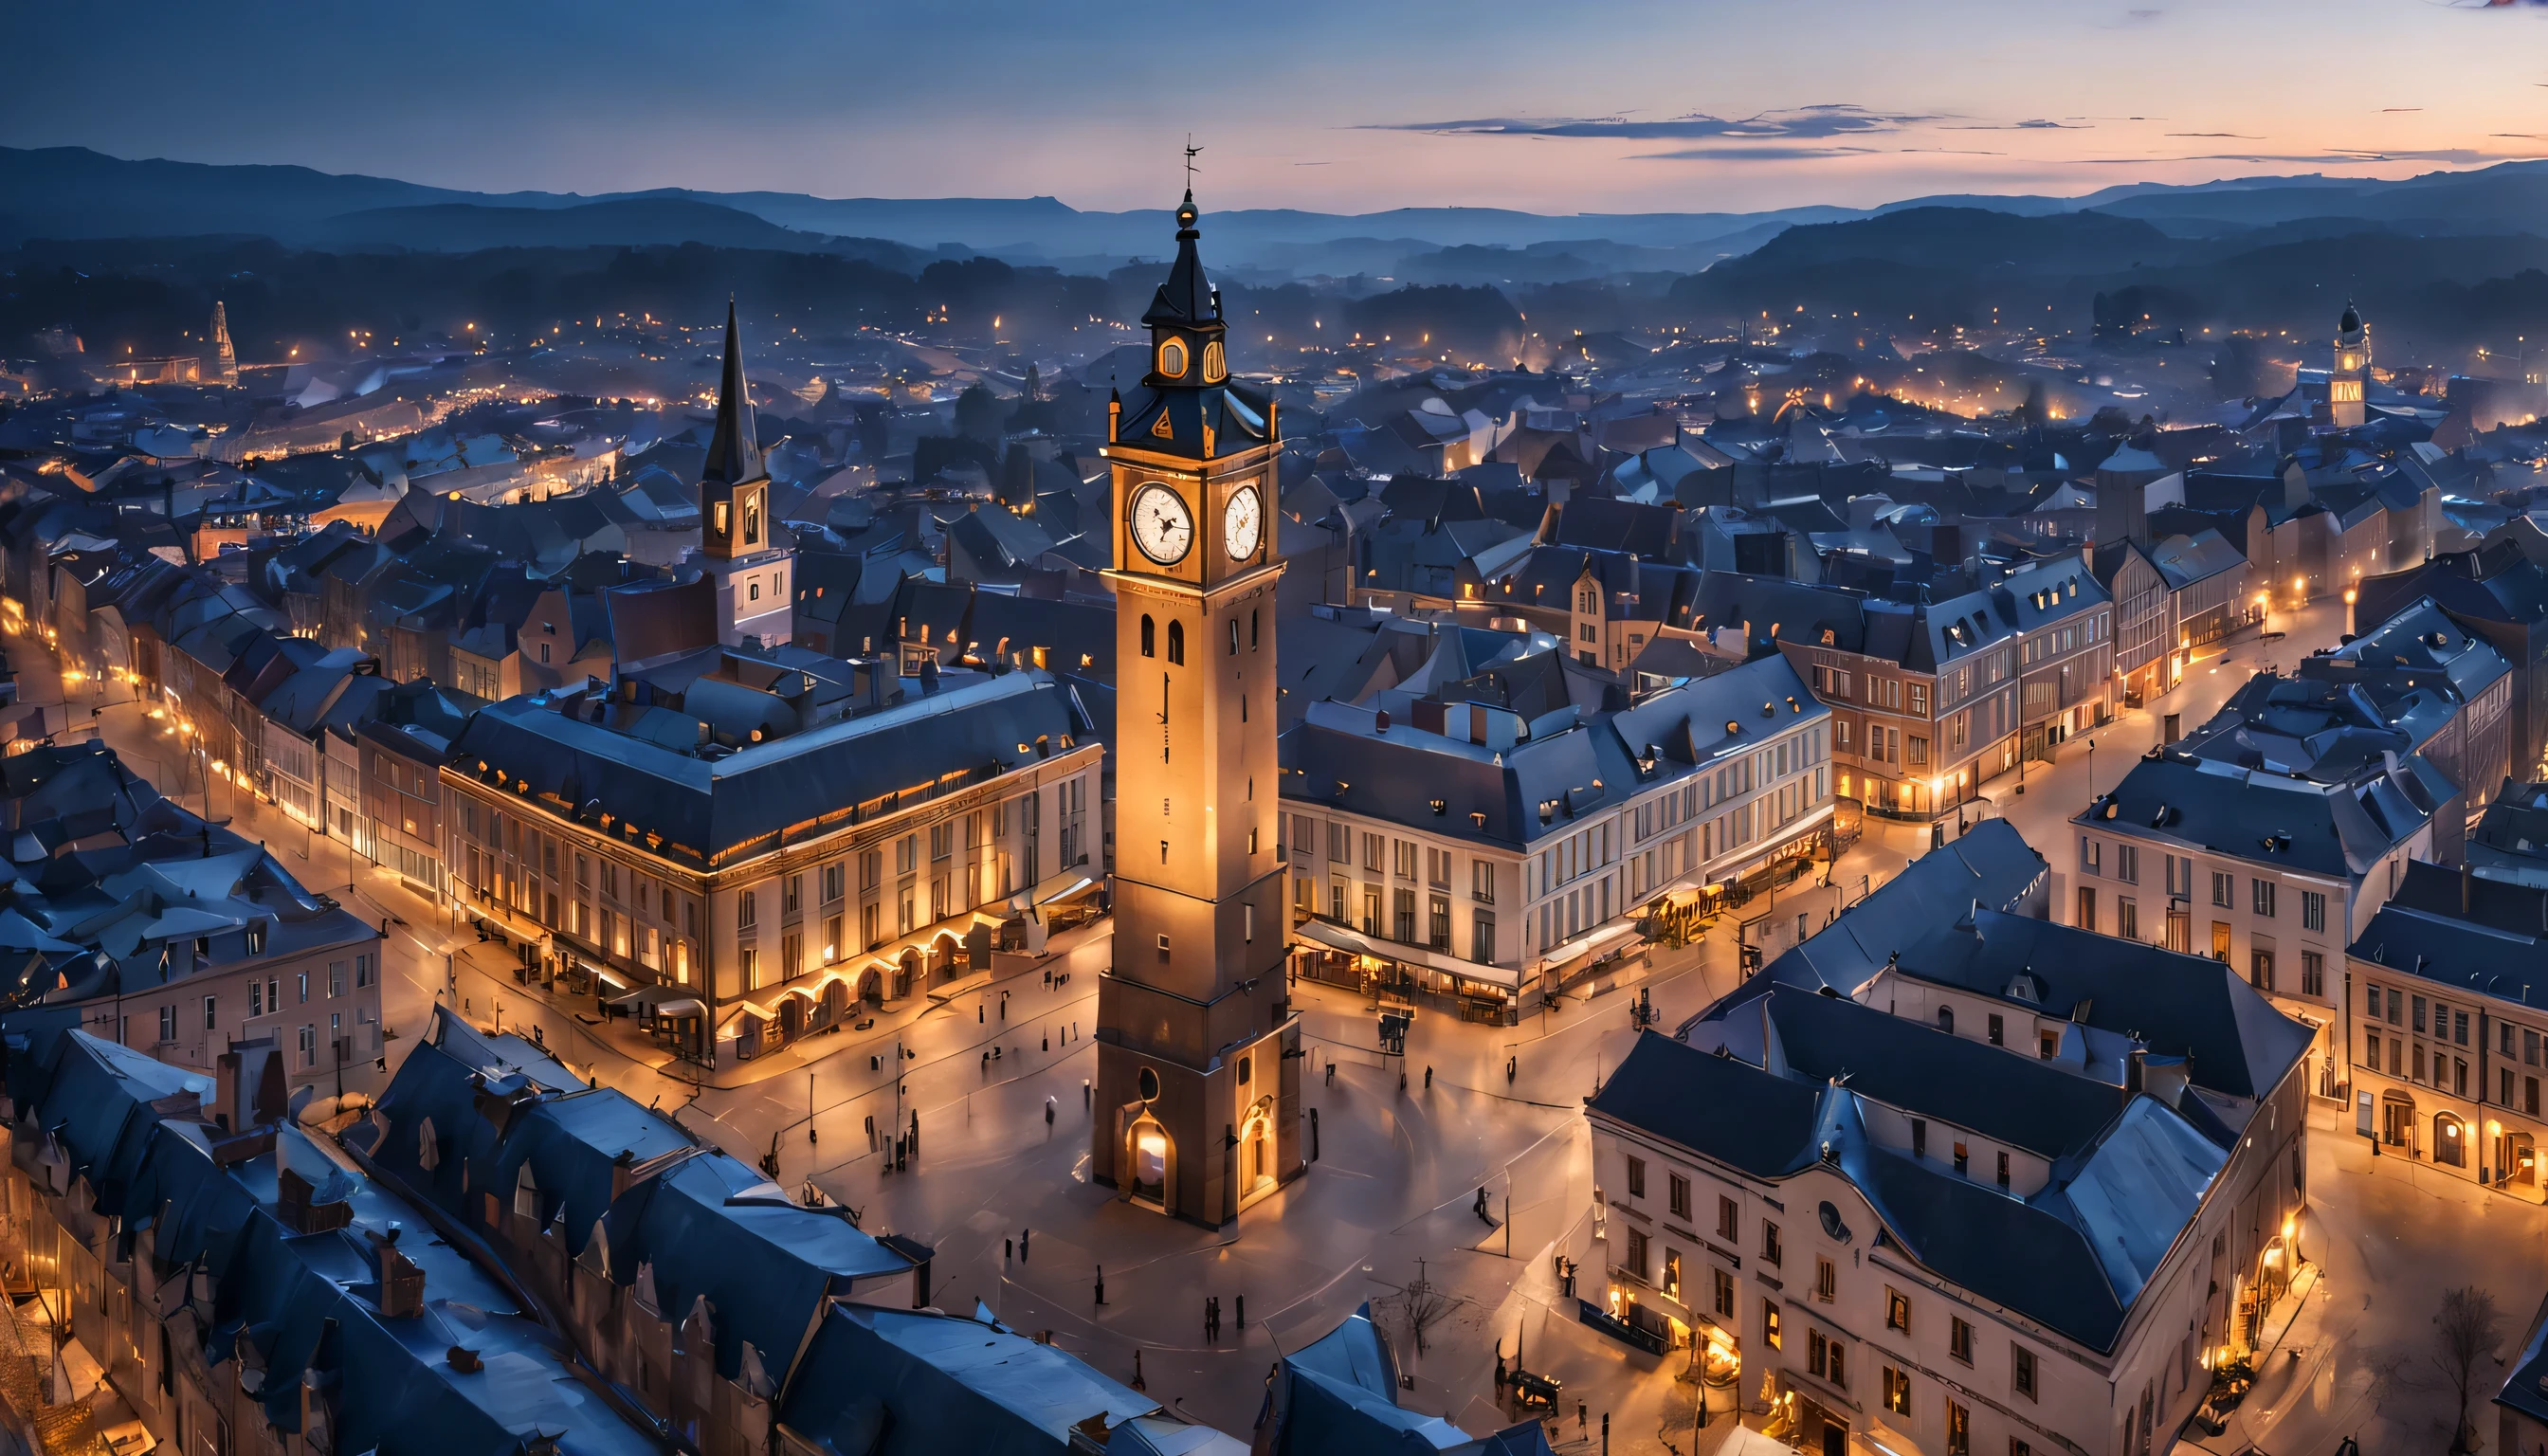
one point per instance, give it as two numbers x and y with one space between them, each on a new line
734 451
225 357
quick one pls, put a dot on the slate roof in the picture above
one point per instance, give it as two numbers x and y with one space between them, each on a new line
706 806
1989 864
2497 946
2232 1040
706 1226
1340 755
734 451
306 1305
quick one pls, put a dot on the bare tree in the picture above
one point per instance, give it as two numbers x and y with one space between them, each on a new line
2466 1334
1424 1308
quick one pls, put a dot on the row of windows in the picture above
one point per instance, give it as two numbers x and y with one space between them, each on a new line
2264 897
1177 637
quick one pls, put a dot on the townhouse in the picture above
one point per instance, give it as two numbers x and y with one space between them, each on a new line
2266 841
159 932
216 1282
2445 1017
1476 831
1898 1233
1934 697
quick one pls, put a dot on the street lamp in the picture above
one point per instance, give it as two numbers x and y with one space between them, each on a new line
2350 596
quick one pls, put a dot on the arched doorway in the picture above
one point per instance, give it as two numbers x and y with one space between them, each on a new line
791 1017
1148 1161
836 1002
1257 1171
947 955
2450 1140
904 969
2516 1161
2396 1119
871 987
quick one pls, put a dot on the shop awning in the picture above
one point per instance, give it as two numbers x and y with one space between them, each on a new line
1354 942
660 1001
1078 879
1568 953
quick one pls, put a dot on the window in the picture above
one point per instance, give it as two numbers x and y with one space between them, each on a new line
1636 1177
2261 897
1726 1213
1963 1159
1481 881
1999 1025
2092 855
1724 1292
1679 1188
2003 1169
2260 970
1959 1340
1769 1324
1897 1392
1897 1311
2313 910
1150 636
2087 914
1636 1253
1826 1281
1177 643
1960 1430
747 911
1770 1242
2221 885
1919 1137
169 1033
2127 919
1824 1357
208 1023
2020 1370
2313 971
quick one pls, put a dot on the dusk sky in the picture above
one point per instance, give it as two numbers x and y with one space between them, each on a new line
1343 107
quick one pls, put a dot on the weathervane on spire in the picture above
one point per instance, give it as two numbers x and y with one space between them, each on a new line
1191 152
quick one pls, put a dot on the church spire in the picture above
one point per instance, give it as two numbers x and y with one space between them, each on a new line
734 451
1187 298
225 357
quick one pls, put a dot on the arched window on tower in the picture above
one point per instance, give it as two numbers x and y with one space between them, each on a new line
1150 636
1176 642
752 522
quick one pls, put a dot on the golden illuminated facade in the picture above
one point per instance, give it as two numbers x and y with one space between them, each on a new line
1198 1080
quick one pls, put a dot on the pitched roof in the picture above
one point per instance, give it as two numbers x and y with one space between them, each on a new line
734 451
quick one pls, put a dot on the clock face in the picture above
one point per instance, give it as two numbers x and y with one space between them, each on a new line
1242 521
1162 527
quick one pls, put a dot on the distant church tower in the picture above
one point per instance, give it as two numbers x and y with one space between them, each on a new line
224 358
1198 1072
751 577
2349 383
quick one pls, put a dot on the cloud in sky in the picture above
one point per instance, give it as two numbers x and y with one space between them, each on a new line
1749 153
2340 157
1807 122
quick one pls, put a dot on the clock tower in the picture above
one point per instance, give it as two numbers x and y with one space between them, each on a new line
1198 1072
2349 383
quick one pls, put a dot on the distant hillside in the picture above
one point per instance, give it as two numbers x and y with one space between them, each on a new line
460 227
1965 238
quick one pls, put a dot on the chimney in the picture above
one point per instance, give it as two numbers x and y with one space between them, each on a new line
2136 1069
401 1295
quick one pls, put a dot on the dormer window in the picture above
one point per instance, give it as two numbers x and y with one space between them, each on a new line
256 938
1172 358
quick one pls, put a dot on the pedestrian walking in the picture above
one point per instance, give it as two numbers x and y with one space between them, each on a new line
1101 1284
1047 1112
1428 1078
1008 1250
1238 1304
1004 1006
1025 1237
1138 1384
1207 1319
